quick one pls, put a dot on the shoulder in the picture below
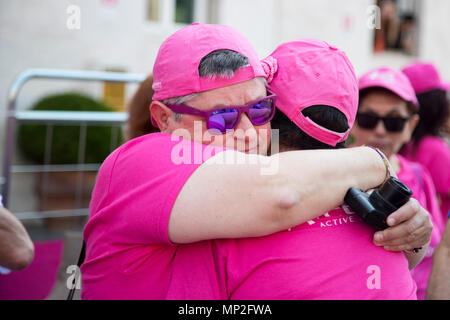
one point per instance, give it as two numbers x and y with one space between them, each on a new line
148 150
407 166
434 144
153 142
433 152
410 165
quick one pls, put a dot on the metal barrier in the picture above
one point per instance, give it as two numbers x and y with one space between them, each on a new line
56 117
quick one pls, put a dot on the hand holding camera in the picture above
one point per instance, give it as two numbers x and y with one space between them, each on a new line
376 207
406 227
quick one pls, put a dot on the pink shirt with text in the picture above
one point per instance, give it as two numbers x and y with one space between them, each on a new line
331 257
128 251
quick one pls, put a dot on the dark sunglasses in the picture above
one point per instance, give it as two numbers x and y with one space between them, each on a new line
221 119
370 121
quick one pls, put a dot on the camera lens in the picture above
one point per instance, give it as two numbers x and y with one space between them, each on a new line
395 192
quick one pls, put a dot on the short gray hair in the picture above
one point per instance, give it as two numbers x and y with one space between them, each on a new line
221 64
217 64
179 100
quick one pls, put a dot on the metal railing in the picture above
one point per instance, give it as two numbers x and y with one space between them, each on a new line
52 118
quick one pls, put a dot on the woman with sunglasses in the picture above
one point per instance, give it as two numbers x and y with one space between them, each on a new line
333 256
386 118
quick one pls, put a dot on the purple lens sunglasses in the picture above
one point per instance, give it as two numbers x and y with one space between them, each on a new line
221 119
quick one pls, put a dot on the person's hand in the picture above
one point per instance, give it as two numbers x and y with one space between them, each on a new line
409 228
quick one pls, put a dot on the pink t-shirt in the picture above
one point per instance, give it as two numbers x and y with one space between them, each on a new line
331 257
419 181
434 154
128 251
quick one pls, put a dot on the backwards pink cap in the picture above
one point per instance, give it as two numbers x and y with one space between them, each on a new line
390 79
175 72
311 72
424 77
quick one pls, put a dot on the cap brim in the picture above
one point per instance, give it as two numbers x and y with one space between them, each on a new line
392 89
445 86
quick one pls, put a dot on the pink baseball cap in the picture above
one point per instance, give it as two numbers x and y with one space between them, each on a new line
175 72
424 77
390 79
311 72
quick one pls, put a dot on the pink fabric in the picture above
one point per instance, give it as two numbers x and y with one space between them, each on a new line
35 282
128 251
331 257
312 72
175 71
424 77
270 66
391 80
419 181
434 154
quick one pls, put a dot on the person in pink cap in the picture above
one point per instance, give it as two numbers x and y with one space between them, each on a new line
161 198
428 146
333 256
386 94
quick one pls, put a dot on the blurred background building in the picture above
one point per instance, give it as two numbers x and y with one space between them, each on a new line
124 36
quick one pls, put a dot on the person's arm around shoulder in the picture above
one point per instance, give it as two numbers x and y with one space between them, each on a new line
439 281
16 247
234 201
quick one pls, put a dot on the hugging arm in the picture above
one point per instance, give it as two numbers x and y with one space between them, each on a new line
234 201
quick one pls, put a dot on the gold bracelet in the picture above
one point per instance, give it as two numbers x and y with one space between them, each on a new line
385 161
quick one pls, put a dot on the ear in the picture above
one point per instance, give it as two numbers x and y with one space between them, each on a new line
161 115
414 121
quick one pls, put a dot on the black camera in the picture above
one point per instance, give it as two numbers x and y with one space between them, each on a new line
376 207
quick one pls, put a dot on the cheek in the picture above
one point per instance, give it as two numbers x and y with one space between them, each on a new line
402 138
218 140
264 133
361 136
264 138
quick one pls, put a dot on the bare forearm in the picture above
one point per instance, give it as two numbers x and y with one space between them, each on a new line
439 281
322 178
16 247
234 201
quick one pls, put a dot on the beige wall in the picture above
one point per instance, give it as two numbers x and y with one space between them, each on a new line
435 35
269 23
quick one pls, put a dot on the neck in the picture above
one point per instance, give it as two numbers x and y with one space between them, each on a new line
395 163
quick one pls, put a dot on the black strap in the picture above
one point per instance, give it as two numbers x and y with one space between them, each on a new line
75 280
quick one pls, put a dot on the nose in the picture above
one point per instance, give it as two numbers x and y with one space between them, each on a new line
245 129
380 129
